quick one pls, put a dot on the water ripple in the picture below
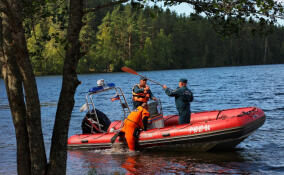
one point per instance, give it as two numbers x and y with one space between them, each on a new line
213 88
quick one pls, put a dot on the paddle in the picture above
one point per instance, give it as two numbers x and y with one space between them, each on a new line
131 71
112 140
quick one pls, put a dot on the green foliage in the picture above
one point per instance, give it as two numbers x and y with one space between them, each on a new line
46 37
150 38
46 47
159 53
125 38
230 16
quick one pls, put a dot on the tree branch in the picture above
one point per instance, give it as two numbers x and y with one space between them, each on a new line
4 5
104 6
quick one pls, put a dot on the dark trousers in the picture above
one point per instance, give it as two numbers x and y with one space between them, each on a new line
136 104
184 115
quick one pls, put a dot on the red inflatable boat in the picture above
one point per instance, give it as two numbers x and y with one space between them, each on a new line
207 130
219 129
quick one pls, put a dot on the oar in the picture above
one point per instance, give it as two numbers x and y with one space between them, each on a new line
112 140
131 71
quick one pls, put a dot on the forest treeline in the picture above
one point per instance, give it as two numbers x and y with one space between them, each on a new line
63 36
147 39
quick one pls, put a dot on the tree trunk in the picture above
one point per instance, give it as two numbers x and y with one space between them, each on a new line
15 95
58 153
17 106
17 71
15 51
265 49
129 46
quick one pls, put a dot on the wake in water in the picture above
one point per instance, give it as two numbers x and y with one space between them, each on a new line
118 149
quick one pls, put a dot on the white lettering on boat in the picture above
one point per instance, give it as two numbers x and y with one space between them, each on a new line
199 129
146 135
192 130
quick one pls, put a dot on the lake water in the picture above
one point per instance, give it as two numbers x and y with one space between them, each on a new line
213 88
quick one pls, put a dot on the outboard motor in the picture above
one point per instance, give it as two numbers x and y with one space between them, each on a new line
90 124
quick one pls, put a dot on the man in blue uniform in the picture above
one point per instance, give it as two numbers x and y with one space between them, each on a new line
183 97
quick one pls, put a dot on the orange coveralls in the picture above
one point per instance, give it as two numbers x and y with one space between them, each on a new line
134 120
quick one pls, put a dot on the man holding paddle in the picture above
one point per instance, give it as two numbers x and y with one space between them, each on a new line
183 96
141 93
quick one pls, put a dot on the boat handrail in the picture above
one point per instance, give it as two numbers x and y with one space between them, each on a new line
99 89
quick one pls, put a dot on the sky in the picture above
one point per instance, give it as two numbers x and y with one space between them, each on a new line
186 9
182 8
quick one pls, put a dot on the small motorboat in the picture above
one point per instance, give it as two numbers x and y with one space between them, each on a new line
220 129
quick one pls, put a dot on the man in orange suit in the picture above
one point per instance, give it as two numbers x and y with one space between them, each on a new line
135 121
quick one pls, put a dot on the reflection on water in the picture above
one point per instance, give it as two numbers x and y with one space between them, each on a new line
4 107
48 104
213 88
102 162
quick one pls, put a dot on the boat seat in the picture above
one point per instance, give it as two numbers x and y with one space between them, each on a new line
156 119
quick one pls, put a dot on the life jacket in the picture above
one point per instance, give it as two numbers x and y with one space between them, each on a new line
142 97
136 117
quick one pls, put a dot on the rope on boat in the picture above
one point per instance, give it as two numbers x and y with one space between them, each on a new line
247 113
170 117
102 134
189 124
219 114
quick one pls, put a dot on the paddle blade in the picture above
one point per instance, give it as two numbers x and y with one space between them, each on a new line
129 70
